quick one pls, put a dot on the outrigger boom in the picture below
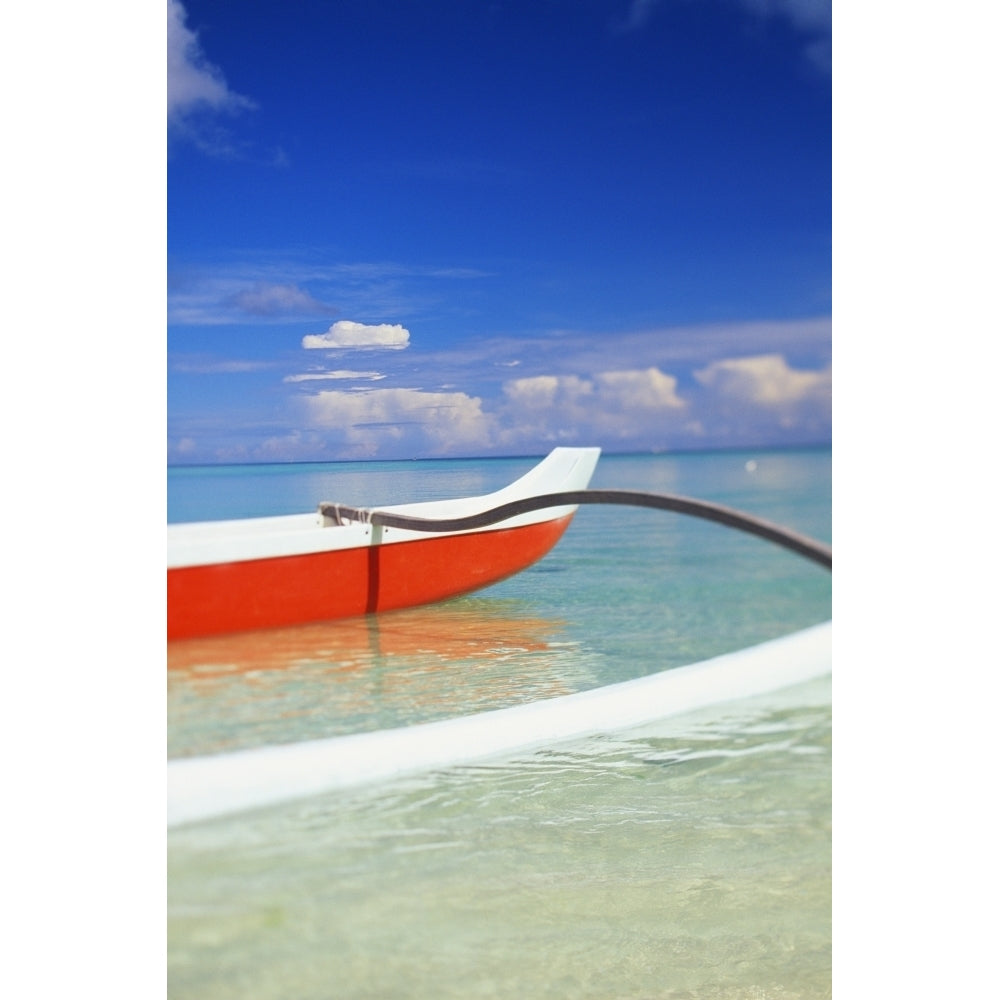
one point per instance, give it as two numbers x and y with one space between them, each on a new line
802 544
346 561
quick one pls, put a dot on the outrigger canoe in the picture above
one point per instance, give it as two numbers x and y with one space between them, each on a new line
234 576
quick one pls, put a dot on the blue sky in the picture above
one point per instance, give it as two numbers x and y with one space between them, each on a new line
404 228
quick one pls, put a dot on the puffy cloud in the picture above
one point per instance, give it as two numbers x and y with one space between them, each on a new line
757 393
649 389
733 401
544 392
764 380
193 83
359 336
374 421
609 406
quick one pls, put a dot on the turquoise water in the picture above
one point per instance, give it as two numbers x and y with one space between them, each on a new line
691 859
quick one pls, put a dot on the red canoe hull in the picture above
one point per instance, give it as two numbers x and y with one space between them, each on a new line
289 590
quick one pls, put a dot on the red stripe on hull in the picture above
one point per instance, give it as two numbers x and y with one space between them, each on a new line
289 590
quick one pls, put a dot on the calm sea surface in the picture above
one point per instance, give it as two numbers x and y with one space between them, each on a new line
690 858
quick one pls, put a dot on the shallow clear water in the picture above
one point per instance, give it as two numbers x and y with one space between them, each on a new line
689 859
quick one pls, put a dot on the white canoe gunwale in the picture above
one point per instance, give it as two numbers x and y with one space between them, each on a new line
210 542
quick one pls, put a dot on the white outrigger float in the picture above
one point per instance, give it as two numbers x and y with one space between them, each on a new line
201 788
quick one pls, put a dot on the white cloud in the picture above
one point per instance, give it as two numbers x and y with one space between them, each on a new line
733 401
340 374
366 422
642 390
631 389
193 83
749 384
762 395
546 408
545 392
609 406
764 380
359 336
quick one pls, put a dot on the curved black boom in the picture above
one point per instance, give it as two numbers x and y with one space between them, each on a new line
802 544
